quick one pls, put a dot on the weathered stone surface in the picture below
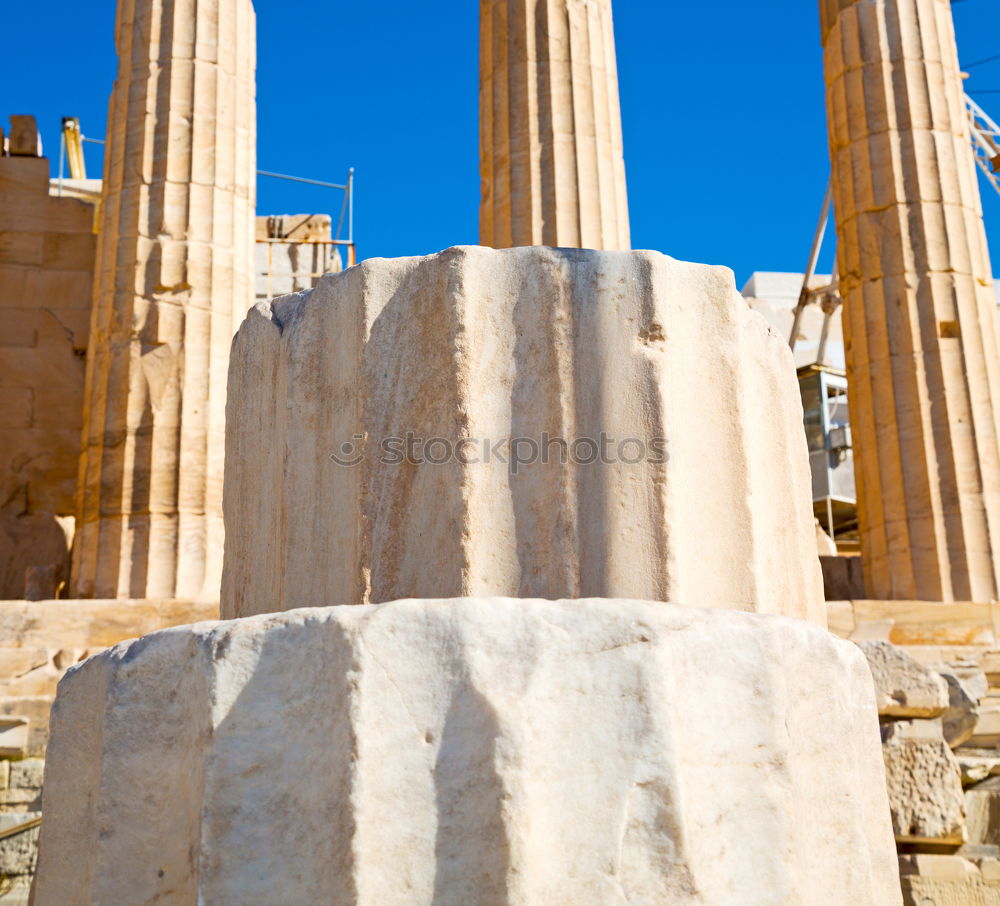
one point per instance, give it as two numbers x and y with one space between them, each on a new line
987 732
27 774
334 491
934 625
982 805
42 639
977 764
471 751
25 139
962 715
43 335
923 355
550 145
18 853
174 277
924 783
903 686
946 880
13 736
842 578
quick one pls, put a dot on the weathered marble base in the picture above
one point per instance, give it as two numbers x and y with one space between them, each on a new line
470 751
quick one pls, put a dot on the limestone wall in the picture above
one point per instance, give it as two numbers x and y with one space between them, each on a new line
41 640
47 247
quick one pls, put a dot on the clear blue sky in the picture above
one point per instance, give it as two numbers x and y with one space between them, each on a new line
722 102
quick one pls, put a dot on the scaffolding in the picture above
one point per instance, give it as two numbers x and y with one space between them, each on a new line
985 142
71 153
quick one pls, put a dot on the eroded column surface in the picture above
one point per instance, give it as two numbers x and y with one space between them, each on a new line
174 277
919 312
531 422
551 160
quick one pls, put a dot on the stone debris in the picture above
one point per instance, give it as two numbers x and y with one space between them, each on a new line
949 880
903 686
507 751
982 804
924 783
977 764
961 718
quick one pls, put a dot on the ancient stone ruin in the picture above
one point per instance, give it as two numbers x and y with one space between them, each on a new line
513 545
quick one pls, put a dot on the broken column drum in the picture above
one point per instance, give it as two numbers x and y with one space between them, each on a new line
919 315
534 386
471 752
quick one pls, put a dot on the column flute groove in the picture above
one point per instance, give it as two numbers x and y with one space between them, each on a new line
920 330
554 174
175 248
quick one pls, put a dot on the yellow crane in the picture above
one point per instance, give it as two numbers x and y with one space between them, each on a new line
73 145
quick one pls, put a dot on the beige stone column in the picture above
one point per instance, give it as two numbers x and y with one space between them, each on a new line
174 277
550 126
919 316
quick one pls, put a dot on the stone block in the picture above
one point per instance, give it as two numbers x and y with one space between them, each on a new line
529 422
27 540
470 751
16 409
17 799
33 712
982 805
991 667
13 736
69 251
931 622
23 176
38 212
19 327
944 880
842 577
25 140
27 774
903 686
924 783
41 582
17 247
18 852
977 764
987 732
960 719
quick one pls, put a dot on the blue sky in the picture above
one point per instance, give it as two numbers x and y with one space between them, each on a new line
722 102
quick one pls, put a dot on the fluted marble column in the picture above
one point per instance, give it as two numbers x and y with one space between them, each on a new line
174 277
551 158
919 315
